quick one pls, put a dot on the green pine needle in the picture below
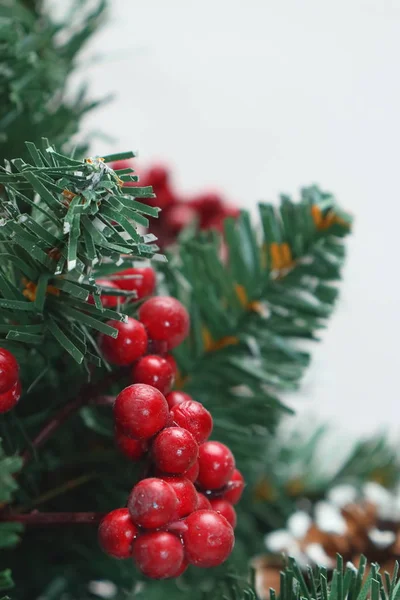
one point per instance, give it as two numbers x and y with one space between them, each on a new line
61 219
247 312
347 583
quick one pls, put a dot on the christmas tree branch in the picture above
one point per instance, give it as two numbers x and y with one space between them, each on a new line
88 395
274 287
56 518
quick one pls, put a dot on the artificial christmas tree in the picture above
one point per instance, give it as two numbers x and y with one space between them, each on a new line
128 363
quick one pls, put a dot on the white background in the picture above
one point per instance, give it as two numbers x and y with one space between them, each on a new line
258 97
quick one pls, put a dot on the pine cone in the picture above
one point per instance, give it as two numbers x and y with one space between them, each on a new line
348 522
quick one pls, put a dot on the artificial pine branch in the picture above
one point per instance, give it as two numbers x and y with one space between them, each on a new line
350 582
246 310
37 62
90 394
295 469
52 242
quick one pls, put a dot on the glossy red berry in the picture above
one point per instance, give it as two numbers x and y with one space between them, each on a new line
192 473
117 532
203 502
10 398
224 508
177 397
159 555
234 487
216 465
154 370
208 540
140 411
107 301
133 449
172 362
130 344
186 494
183 568
175 450
165 319
9 370
152 503
192 415
141 280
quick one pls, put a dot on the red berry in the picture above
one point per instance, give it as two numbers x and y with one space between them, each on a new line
10 398
133 449
234 488
192 473
176 397
203 502
159 555
165 319
9 370
142 280
159 348
158 177
186 494
130 344
140 411
154 370
208 540
183 568
117 532
152 503
172 362
192 415
178 217
207 204
224 508
107 301
175 450
216 465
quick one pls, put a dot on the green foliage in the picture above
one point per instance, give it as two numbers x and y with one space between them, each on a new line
363 583
9 532
248 312
6 581
80 217
80 469
37 57
8 466
299 465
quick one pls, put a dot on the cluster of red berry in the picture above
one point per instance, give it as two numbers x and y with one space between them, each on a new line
208 208
10 385
182 513
141 280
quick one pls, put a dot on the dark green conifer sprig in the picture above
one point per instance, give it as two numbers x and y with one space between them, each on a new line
36 63
364 582
296 468
60 219
275 287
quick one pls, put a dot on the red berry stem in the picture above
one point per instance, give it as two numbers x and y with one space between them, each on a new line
88 394
177 527
53 518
